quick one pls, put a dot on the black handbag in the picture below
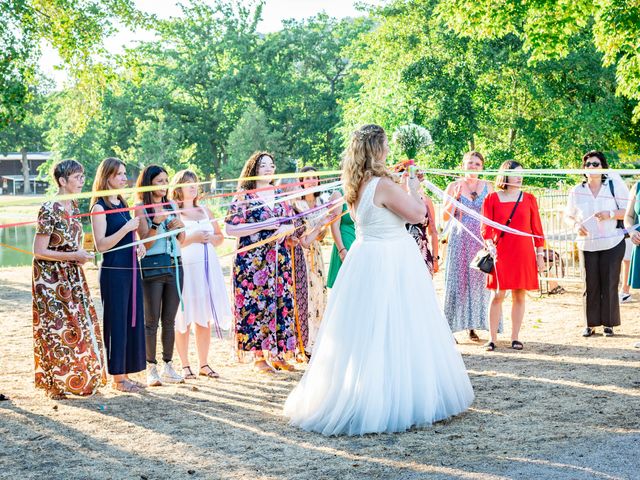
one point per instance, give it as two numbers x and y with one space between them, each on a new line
619 223
484 260
157 266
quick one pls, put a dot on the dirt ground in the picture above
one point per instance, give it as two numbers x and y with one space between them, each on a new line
564 408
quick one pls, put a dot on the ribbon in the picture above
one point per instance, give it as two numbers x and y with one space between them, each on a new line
216 322
295 300
134 287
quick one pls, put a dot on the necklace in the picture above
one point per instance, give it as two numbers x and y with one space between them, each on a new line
473 194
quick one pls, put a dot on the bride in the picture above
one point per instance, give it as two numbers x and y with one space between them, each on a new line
385 358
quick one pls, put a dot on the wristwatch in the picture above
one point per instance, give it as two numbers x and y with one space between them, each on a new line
154 225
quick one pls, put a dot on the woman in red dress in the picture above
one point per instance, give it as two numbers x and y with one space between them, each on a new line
518 258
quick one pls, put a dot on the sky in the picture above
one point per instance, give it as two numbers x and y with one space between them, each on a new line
274 11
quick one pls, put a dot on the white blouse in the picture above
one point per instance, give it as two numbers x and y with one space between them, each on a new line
583 206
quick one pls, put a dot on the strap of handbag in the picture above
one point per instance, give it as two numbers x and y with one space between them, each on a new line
510 216
619 223
613 194
174 255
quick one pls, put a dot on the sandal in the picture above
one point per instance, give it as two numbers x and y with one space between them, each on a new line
489 346
558 290
136 383
125 386
262 366
473 335
516 345
3 397
282 365
187 373
210 373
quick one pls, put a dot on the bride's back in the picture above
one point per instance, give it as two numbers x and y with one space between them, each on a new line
373 222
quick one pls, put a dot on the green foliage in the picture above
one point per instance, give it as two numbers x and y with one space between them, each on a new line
535 81
548 30
252 133
485 93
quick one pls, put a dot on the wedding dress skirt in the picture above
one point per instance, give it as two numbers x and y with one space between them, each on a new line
385 358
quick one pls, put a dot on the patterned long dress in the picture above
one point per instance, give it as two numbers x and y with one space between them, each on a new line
66 335
262 283
301 291
466 300
317 290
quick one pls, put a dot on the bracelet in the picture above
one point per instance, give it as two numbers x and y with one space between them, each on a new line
540 254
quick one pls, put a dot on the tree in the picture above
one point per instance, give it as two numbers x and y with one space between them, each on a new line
304 73
484 93
252 133
75 28
549 28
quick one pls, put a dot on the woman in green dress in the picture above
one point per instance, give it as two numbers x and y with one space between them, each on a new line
630 219
343 231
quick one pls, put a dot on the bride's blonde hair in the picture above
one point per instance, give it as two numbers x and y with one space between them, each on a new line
363 159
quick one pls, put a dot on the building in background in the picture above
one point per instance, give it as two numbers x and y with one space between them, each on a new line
15 166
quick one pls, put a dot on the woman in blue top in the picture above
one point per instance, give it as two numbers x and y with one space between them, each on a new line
161 293
120 282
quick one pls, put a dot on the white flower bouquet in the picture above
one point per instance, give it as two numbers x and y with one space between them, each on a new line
412 139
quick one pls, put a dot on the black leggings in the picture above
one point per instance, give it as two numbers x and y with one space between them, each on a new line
161 303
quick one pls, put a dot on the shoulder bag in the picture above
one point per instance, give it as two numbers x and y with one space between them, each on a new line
484 260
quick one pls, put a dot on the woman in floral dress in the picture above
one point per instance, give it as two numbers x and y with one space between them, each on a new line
262 276
66 335
466 300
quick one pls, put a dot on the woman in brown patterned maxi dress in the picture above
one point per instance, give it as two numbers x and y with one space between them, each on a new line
66 335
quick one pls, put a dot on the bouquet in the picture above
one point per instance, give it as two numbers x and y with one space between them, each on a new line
412 139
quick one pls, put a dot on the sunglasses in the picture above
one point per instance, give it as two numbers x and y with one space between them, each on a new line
592 164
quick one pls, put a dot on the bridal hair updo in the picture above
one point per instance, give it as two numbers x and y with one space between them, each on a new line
364 159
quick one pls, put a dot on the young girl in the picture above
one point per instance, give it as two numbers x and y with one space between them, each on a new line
120 281
204 294
66 335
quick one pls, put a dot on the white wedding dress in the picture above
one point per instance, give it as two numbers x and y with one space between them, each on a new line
385 358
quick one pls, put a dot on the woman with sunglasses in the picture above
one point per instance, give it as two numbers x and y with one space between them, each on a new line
66 335
593 208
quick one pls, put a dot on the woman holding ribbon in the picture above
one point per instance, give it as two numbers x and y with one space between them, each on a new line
466 300
518 258
66 335
593 208
206 302
262 276
343 231
162 275
311 236
120 281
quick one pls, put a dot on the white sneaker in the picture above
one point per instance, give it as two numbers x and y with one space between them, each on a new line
153 379
624 297
637 345
169 375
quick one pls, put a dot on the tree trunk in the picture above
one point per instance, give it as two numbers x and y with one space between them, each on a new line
512 137
25 171
472 144
216 159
